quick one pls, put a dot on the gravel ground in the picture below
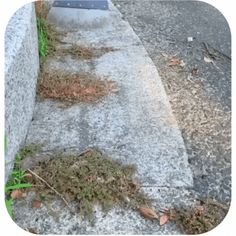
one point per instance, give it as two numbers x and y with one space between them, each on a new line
199 91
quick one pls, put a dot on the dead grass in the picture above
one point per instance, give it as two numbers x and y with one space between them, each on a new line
74 88
89 179
81 52
201 219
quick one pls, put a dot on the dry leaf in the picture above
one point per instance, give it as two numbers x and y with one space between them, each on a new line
28 176
199 210
208 60
164 219
148 213
37 204
17 194
175 61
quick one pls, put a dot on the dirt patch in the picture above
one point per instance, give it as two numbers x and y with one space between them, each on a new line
74 88
201 219
81 52
89 179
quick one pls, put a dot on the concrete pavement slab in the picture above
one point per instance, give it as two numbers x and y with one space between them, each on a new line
134 125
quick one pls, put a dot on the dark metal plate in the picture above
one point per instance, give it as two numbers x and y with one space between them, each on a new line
83 4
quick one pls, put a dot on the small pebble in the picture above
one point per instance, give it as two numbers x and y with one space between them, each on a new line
190 39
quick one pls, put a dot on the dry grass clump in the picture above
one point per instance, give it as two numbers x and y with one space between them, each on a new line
74 88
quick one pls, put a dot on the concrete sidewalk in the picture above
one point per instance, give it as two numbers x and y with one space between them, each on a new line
134 125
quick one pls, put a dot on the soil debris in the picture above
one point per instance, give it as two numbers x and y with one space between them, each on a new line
89 179
74 88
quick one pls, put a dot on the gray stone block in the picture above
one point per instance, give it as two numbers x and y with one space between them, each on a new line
21 72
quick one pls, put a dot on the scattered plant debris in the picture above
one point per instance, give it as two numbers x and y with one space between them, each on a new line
201 219
89 179
74 88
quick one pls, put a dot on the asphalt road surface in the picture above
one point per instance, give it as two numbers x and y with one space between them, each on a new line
164 28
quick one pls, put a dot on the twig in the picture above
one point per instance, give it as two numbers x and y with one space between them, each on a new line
211 54
208 51
223 54
53 189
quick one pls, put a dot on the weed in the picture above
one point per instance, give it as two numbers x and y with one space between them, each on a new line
48 37
17 186
17 180
9 205
90 179
42 37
